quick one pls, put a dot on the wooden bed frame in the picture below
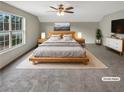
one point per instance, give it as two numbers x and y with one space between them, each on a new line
85 59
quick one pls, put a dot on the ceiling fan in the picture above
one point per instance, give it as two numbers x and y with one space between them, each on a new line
61 10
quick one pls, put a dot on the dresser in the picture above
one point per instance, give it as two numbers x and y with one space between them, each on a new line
115 44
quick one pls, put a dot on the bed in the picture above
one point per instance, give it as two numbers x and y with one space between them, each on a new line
60 50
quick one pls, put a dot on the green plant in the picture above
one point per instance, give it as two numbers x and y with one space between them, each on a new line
98 34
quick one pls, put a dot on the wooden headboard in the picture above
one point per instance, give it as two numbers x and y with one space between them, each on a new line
74 35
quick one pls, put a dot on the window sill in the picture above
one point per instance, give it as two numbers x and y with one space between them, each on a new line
10 49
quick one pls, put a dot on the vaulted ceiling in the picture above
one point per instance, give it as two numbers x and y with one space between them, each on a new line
84 11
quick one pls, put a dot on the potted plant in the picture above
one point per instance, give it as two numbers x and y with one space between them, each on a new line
98 37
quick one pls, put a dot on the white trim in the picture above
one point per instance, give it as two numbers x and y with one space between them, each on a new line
10 42
10 49
11 13
24 30
10 31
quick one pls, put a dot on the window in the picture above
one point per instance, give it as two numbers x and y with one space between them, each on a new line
11 30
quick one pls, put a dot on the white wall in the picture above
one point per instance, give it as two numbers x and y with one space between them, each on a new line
88 29
32 33
105 23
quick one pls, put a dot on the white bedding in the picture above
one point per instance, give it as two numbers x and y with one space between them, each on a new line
59 48
60 40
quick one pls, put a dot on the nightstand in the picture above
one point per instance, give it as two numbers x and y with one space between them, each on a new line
81 41
40 41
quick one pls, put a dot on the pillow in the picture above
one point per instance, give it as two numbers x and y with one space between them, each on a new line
67 37
55 37
59 35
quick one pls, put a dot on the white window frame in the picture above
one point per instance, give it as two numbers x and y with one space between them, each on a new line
10 33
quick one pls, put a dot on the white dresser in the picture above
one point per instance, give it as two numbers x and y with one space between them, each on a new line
116 44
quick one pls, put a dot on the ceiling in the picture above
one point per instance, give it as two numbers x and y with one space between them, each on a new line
84 11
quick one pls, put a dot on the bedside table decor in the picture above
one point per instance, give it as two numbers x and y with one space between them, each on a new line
43 35
42 38
79 35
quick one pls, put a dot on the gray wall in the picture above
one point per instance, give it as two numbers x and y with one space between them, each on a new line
105 24
32 32
88 29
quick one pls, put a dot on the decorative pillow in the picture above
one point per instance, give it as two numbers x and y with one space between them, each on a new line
59 35
55 37
67 37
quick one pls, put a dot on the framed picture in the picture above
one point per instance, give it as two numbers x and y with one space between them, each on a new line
61 26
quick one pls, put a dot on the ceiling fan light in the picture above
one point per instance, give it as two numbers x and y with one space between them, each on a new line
58 14
62 13
61 10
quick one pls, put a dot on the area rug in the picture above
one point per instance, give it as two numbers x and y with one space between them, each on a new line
94 63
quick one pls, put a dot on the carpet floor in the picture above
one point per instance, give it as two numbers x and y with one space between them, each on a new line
67 80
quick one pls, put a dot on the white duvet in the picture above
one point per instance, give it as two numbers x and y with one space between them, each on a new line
59 48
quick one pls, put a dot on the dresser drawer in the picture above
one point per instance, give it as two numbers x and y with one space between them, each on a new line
118 48
115 44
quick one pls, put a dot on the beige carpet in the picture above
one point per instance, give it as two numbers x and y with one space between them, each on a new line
94 63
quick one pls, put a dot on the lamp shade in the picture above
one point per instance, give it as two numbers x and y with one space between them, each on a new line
43 35
79 35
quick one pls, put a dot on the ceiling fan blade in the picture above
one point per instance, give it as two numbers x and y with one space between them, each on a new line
52 11
69 11
53 7
69 8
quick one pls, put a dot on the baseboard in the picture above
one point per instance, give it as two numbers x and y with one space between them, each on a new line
17 58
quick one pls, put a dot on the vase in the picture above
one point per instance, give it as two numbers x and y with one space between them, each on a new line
98 41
